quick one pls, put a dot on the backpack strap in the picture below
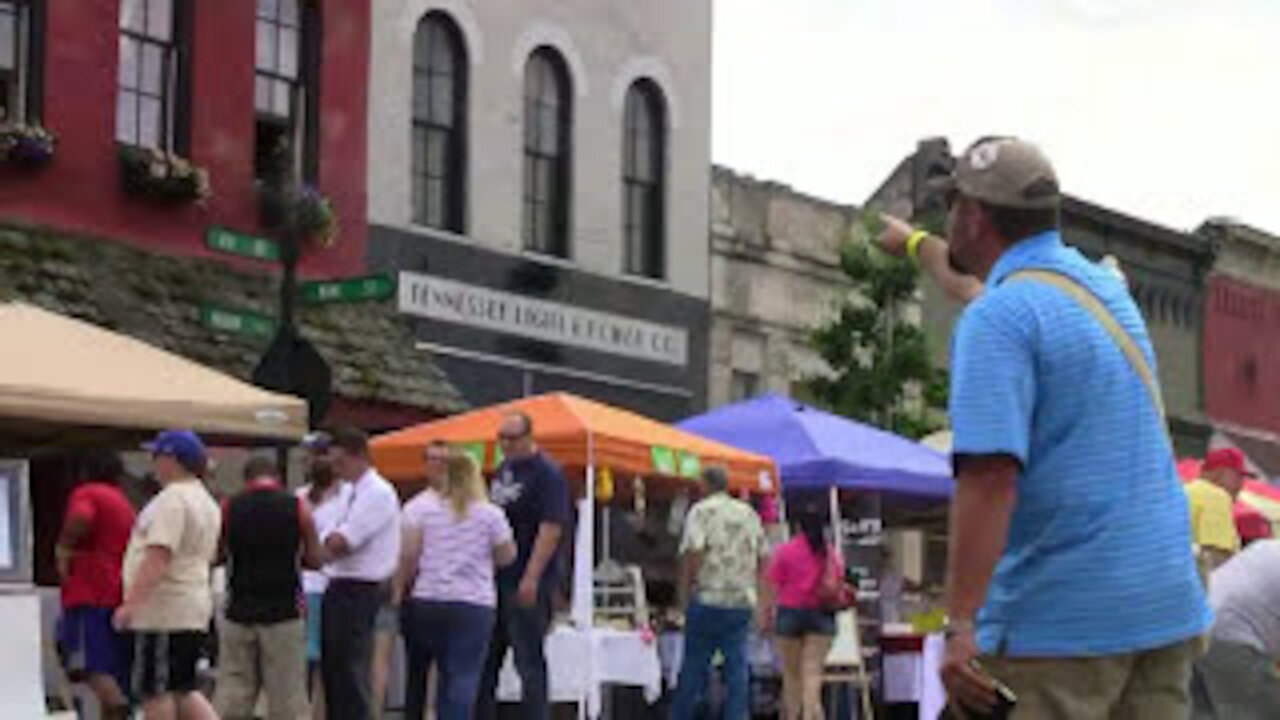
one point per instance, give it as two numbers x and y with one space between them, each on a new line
1092 305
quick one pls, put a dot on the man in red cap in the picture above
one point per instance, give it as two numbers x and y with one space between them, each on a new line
1210 500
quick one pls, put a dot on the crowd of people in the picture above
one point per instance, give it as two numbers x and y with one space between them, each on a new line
463 571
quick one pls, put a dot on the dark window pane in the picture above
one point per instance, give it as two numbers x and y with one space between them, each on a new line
531 125
548 130
419 150
435 202
8 39
160 19
442 52
543 177
437 152
442 100
419 203
421 97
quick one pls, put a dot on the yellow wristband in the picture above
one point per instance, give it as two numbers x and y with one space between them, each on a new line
913 244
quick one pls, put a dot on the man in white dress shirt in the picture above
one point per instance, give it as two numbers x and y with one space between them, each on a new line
363 551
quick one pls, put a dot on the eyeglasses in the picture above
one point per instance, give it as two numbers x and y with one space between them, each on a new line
511 437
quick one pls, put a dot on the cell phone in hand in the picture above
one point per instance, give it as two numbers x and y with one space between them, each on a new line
1006 700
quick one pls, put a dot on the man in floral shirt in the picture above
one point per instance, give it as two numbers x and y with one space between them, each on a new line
723 551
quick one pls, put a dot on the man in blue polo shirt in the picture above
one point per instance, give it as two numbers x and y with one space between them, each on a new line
1070 576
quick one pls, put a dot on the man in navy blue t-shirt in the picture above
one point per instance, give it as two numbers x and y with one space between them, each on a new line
531 490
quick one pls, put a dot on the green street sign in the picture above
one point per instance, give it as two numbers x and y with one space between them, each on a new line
372 287
237 322
233 243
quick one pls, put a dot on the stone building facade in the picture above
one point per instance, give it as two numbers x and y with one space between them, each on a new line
775 277
538 181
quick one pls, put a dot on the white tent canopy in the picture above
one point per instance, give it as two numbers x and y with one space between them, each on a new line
58 370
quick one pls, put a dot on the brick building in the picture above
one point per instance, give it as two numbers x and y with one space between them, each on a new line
171 119
1242 341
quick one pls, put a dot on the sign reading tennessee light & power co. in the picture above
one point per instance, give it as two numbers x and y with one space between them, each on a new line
450 301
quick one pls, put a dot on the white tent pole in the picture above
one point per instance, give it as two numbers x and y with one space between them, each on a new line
590 687
835 523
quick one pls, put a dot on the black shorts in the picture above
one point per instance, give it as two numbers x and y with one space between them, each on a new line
165 662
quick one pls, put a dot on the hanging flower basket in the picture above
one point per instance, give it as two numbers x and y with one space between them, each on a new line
153 173
24 144
310 212
315 217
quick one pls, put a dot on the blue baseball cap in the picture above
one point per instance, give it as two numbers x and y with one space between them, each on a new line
183 445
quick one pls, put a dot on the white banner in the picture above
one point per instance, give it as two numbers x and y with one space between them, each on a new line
474 306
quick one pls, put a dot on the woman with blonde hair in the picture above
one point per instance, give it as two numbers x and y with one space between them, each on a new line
453 540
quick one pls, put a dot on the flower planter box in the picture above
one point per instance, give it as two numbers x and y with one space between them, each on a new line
26 145
151 173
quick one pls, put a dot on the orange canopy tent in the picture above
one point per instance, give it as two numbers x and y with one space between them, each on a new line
580 434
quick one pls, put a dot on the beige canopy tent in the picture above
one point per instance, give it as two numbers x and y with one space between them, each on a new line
59 372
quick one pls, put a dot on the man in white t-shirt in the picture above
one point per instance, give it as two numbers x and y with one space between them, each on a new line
168 601
1236 679
363 550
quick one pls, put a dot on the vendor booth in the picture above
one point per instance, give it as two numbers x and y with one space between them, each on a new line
863 471
616 461
66 383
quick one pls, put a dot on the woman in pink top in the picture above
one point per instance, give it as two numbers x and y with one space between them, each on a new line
803 630
453 539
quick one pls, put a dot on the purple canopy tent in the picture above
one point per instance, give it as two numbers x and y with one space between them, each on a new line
818 450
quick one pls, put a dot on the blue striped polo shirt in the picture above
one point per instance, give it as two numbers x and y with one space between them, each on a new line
1098 559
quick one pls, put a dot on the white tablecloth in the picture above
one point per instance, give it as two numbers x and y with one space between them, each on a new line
579 663
913 677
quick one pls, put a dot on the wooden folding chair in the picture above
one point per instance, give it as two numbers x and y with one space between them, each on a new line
846 664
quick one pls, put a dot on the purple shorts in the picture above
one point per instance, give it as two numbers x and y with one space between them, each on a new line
89 645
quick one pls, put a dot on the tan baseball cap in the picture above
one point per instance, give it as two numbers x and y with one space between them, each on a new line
1006 172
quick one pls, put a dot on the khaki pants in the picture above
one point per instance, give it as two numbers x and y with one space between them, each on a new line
802 660
1150 685
253 659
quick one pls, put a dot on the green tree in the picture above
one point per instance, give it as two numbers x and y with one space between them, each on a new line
874 354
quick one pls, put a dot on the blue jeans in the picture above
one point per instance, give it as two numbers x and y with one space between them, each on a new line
455 636
524 630
707 629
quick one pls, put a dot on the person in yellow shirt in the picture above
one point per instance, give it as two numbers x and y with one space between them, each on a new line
1210 500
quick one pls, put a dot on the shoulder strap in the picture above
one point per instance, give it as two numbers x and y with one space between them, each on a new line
1091 304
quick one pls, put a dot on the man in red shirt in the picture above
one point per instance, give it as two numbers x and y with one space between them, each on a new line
90 552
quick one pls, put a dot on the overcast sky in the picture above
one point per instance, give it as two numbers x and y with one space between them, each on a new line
1164 109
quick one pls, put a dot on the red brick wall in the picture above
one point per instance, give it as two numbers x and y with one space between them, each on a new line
1242 354
80 191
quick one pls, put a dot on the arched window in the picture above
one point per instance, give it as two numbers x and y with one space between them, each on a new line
548 119
150 99
644 154
20 54
439 124
286 90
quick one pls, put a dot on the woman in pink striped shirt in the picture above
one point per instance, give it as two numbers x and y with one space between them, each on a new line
453 540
